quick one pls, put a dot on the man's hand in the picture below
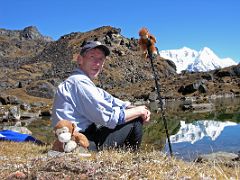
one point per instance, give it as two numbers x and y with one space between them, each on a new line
145 114
137 111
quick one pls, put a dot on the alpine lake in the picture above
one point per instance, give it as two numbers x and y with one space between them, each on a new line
191 132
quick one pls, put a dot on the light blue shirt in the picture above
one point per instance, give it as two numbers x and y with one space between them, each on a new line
78 100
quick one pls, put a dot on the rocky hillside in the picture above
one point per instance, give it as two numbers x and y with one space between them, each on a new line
40 72
34 64
16 45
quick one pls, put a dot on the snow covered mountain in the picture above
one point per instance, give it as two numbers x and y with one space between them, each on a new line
194 132
192 60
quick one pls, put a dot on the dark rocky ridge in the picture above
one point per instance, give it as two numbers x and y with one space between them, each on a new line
18 44
40 65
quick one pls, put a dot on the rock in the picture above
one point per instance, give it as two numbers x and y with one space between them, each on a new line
30 115
203 106
18 129
118 52
14 113
53 154
4 113
223 73
25 106
3 99
14 100
46 112
202 88
188 105
207 76
153 96
79 151
116 39
236 70
32 33
83 152
172 64
139 103
181 89
41 89
38 104
154 106
191 88
188 89
219 157
16 175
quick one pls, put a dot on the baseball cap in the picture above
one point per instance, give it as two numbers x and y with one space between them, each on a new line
94 44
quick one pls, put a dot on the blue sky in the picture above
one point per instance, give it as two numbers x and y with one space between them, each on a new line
175 23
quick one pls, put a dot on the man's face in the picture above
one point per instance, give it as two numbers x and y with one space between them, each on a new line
92 62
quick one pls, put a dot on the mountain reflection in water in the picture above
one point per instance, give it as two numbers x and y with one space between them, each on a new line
203 137
193 133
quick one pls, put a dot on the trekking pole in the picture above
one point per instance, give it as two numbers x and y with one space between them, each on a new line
157 84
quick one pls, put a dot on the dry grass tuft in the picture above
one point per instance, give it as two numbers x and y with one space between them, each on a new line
31 161
21 150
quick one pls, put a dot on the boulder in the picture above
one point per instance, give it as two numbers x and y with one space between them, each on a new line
153 96
191 88
18 129
236 70
220 157
14 113
207 76
14 100
224 72
3 99
41 89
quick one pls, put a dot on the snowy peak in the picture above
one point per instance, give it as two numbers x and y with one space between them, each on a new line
178 54
181 57
206 60
207 51
208 55
192 60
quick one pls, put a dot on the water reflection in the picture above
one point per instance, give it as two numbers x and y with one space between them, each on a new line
196 131
193 133
202 137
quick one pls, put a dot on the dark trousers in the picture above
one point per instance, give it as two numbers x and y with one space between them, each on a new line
128 135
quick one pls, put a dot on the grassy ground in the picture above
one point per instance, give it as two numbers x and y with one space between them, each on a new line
30 161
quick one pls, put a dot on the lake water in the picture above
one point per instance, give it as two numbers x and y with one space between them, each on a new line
198 132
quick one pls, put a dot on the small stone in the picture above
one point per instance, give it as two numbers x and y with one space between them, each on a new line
52 153
17 175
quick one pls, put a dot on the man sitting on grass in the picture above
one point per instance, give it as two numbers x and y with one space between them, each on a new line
107 121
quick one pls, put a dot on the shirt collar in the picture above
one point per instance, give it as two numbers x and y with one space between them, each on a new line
79 71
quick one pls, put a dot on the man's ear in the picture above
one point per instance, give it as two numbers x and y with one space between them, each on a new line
79 59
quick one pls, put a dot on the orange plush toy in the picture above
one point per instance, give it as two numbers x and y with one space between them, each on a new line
67 138
147 43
